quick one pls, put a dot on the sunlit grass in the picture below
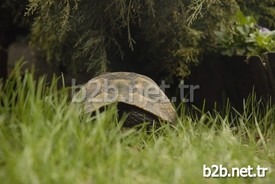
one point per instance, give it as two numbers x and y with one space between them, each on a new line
46 139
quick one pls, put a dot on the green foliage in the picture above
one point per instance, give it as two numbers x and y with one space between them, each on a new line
245 38
263 11
46 139
92 35
81 33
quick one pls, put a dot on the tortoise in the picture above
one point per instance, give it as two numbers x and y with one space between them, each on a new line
135 94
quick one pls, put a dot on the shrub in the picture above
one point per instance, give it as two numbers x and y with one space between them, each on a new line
245 37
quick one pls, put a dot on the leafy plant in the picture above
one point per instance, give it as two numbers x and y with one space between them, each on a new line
93 35
263 11
163 37
245 37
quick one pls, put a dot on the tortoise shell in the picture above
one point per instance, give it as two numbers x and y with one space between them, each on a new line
130 88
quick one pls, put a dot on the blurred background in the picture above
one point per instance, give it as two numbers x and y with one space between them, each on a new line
225 47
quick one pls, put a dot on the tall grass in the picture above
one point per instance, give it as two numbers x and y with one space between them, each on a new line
46 139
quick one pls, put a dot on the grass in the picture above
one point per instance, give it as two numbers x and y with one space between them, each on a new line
46 139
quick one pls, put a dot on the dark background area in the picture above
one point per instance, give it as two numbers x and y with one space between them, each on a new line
220 78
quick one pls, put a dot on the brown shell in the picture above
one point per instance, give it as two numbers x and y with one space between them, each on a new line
130 88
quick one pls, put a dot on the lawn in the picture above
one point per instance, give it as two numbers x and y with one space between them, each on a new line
46 139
